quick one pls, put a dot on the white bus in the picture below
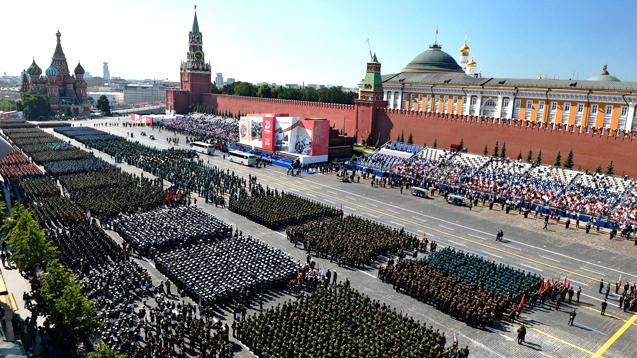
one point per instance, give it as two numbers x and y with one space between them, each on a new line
203 147
242 158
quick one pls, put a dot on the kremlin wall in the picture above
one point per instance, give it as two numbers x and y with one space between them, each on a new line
589 148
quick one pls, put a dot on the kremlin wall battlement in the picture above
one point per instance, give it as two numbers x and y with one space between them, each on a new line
590 147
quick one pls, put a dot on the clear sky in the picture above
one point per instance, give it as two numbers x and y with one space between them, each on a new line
322 41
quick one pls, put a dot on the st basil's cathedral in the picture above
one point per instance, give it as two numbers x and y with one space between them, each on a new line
66 91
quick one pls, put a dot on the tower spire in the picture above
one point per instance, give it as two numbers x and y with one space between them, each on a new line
195 23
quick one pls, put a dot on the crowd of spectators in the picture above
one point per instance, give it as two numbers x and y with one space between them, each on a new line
217 130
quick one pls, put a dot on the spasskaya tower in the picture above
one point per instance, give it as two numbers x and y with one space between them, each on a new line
195 76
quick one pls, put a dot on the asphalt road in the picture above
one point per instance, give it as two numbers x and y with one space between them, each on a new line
554 253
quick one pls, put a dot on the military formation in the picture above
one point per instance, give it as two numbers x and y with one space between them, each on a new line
337 321
279 210
351 240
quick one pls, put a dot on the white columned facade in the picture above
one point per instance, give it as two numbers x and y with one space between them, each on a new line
630 117
478 104
498 107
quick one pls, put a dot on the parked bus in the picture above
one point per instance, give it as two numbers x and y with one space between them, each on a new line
202 147
242 158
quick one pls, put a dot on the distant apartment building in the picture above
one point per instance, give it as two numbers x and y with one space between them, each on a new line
219 80
141 93
229 81
106 73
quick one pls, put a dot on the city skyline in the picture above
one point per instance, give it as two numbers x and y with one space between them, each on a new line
241 43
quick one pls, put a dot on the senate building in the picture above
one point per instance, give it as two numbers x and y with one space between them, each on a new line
434 82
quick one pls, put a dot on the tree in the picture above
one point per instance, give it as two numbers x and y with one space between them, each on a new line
410 139
73 317
377 142
402 136
568 163
31 249
103 105
264 91
104 351
503 152
610 169
519 156
558 160
529 157
598 169
7 105
245 89
435 144
496 149
486 150
35 106
538 159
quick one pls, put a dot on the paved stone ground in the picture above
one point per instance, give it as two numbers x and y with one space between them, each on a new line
552 254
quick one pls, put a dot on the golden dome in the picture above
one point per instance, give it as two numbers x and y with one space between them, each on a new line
464 50
472 63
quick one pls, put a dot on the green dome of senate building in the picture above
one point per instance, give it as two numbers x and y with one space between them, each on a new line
604 76
433 60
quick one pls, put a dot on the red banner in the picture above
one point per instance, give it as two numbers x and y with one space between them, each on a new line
320 137
268 141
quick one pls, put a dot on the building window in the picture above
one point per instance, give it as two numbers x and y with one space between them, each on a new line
609 110
464 100
474 100
518 103
624 111
529 105
420 102
580 107
594 109
489 103
567 107
541 106
505 102
553 106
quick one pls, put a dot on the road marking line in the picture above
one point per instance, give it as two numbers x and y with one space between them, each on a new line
592 271
329 201
579 283
367 273
372 215
310 195
396 223
488 253
512 247
582 349
506 337
393 211
615 337
282 234
531 267
349 208
447 227
457 243
548 258
478 237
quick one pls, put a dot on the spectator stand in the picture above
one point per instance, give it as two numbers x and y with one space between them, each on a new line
383 160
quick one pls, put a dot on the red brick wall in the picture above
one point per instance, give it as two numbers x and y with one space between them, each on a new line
588 149
340 115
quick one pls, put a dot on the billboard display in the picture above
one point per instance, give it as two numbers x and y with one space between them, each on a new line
268 140
308 137
286 128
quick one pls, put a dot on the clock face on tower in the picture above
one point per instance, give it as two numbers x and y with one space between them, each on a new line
198 55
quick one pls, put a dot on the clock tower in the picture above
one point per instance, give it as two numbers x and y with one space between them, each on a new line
195 72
